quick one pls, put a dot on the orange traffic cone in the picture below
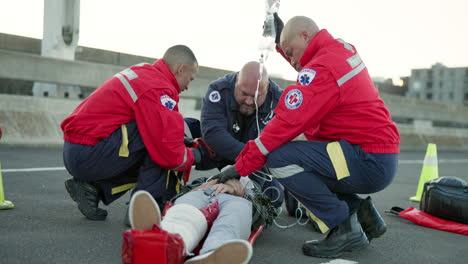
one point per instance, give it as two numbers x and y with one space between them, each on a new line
429 171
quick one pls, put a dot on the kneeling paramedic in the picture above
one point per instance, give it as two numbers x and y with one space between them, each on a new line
128 133
352 144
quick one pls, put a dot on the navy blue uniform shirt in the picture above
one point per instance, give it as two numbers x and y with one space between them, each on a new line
223 127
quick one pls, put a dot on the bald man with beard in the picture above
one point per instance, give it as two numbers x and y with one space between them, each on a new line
229 117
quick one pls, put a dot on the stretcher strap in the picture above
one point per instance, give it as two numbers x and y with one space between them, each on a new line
335 152
123 188
123 151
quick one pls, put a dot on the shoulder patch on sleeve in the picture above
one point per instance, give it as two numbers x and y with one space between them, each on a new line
293 99
306 76
168 102
214 96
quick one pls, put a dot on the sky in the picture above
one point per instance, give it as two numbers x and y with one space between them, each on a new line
392 37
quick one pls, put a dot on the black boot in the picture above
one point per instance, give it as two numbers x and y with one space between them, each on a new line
86 196
370 219
346 237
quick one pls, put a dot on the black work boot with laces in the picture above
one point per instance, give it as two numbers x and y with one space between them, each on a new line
86 196
346 237
370 219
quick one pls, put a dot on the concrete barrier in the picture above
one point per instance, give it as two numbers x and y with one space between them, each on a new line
33 121
31 67
416 109
417 138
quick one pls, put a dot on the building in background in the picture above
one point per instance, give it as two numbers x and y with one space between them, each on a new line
386 86
439 83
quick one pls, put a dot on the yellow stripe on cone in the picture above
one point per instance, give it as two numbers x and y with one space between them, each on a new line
4 204
429 171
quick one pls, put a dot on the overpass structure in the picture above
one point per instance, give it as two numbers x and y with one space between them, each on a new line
27 120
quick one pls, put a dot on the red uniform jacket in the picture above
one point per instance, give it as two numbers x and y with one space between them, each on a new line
334 98
146 93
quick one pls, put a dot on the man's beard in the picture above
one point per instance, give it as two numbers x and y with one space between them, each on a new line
247 111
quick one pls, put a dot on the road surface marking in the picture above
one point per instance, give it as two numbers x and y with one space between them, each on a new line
34 169
340 261
452 161
448 161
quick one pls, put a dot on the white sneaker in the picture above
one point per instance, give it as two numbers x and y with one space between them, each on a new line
144 211
232 252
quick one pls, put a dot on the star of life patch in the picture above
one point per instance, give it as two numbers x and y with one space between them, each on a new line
214 96
293 99
306 76
167 101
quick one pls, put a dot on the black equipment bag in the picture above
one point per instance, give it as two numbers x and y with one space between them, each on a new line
446 198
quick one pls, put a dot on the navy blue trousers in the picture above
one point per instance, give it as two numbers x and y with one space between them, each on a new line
306 170
102 165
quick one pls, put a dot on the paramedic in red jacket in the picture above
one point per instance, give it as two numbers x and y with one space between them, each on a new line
129 130
352 144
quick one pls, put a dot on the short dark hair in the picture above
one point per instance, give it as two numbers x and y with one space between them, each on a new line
180 54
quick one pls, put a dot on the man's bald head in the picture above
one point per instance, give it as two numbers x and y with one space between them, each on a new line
296 26
295 38
250 72
246 86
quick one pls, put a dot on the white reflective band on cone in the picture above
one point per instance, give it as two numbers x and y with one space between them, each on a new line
430 160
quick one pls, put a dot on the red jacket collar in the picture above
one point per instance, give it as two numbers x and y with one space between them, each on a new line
162 67
320 40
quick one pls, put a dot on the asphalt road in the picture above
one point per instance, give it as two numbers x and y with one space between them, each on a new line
46 227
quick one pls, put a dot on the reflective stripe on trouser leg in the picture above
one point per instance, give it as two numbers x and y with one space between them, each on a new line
123 150
323 207
288 171
321 225
175 177
338 160
123 188
304 168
